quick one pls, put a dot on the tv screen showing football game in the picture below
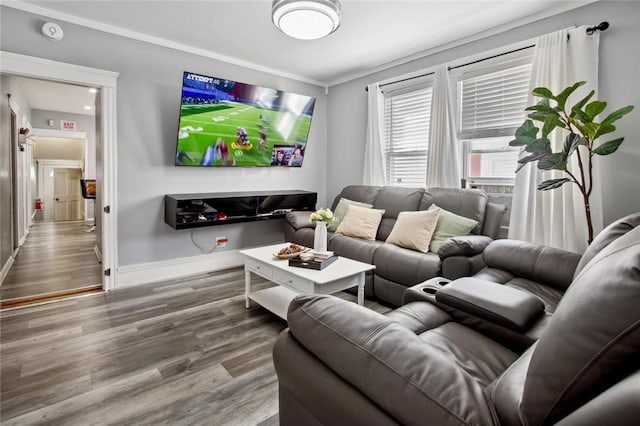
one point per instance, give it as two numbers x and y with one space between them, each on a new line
226 123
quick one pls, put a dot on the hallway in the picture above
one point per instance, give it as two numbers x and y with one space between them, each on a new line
56 257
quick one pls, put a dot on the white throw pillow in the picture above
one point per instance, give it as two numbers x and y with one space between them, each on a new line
360 222
340 211
413 230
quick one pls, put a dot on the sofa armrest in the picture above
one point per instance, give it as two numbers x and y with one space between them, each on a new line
468 245
543 264
299 220
311 393
506 306
454 267
493 219
385 361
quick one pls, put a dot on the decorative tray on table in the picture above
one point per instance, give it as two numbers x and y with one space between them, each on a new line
290 251
318 263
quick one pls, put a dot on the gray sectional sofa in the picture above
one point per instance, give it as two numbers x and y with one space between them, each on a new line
433 362
398 268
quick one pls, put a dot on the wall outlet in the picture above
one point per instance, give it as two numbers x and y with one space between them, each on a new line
221 241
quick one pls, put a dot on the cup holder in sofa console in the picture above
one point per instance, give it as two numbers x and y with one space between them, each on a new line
425 291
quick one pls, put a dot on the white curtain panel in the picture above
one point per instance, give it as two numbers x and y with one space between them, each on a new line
443 164
556 218
374 163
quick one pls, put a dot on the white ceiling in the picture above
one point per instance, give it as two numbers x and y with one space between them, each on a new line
373 32
52 96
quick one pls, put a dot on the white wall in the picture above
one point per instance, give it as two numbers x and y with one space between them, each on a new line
148 103
618 75
84 122
59 149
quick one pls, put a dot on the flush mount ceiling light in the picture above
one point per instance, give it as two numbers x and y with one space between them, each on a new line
306 19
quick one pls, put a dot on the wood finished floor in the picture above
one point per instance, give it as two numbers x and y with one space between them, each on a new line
56 256
182 352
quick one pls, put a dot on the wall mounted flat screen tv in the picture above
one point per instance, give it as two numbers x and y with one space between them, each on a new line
227 123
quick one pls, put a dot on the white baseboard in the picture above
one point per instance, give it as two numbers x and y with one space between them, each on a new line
145 273
5 269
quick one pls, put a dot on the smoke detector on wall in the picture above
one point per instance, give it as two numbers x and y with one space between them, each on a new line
52 31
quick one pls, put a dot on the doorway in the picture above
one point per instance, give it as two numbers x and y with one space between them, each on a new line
55 256
105 134
66 195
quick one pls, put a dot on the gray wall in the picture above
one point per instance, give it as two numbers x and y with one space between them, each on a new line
619 63
6 248
23 116
148 102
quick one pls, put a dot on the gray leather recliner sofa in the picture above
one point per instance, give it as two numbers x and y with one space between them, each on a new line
340 363
398 268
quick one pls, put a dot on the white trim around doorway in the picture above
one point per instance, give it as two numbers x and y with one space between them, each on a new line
106 81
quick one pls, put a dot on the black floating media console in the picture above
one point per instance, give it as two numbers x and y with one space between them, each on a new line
183 211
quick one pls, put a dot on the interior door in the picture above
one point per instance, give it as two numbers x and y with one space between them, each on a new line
67 196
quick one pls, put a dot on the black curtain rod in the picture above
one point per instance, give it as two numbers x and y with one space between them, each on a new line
404 79
491 57
602 26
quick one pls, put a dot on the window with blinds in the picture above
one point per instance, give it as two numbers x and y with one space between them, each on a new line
491 98
406 119
493 104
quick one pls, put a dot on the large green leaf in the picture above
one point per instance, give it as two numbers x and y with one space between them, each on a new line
538 116
561 165
543 92
550 123
582 102
571 142
579 115
552 161
564 95
521 141
533 157
552 184
617 114
543 106
542 145
603 129
594 108
608 147
527 129
525 134
588 130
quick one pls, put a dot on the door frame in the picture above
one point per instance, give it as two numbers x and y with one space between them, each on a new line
106 81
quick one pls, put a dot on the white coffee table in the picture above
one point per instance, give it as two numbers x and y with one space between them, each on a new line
340 275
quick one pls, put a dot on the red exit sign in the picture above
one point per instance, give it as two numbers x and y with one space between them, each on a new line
68 125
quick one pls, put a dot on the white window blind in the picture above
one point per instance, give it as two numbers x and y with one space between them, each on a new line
492 104
406 119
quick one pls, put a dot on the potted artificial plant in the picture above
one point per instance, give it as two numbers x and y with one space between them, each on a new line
582 131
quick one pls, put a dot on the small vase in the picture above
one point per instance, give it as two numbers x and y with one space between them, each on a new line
320 238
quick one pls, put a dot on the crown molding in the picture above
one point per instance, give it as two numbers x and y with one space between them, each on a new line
556 10
158 41
561 7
